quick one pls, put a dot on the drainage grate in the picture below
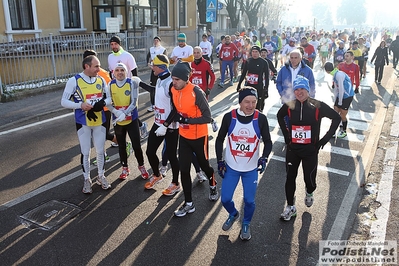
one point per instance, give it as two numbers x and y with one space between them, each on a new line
51 214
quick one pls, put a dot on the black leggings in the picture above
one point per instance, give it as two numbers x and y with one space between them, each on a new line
134 134
186 148
107 123
309 167
171 138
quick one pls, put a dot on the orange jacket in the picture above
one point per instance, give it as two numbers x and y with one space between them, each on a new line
190 102
105 75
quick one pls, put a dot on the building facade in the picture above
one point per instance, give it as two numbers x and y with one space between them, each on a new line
23 19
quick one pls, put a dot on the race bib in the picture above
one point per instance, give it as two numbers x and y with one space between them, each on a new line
93 98
301 134
158 115
197 81
252 79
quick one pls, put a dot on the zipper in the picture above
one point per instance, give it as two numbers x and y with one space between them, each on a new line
300 116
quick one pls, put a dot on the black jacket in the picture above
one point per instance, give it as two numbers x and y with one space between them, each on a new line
308 113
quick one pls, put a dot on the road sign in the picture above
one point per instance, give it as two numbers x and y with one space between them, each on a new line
210 5
220 6
211 16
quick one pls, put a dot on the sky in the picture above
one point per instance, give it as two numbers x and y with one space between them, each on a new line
380 12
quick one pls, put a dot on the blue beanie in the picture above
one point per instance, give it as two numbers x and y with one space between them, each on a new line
301 82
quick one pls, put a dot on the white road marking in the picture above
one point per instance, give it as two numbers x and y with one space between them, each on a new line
379 226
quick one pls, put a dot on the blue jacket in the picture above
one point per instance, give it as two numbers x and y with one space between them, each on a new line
284 81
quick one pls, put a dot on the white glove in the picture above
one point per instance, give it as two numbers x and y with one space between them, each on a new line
120 116
136 80
161 131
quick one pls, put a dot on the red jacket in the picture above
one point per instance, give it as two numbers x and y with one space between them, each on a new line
228 51
201 73
352 70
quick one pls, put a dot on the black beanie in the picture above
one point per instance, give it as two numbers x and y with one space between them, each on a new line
244 92
182 71
115 39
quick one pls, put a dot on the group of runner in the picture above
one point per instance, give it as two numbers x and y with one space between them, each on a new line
182 114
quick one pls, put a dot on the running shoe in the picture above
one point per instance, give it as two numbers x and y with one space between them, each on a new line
290 211
184 209
221 84
213 193
342 134
229 222
125 173
150 109
201 176
144 173
107 160
214 126
163 170
102 181
128 148
114 144
245 232
231 83
171 190
153 181
143 131
87 186
309 199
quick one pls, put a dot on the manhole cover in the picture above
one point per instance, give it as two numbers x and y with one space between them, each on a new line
51 214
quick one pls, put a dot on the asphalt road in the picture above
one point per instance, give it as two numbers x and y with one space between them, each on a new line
127 225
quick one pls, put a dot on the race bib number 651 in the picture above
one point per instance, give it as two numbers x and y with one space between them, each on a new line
301 134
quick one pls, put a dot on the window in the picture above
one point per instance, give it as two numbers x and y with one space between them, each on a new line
163 13
21 14
71 12
182 13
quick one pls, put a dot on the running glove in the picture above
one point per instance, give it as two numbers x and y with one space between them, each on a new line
98 106
262 164
91 115
161 131
181 119
221 168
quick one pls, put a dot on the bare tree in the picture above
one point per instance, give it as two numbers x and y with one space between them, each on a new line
251 8
233 10
274 11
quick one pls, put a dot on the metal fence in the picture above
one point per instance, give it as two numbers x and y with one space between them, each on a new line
38 62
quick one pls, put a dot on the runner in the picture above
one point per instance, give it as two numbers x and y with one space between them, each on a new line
302 141
86 93
245 160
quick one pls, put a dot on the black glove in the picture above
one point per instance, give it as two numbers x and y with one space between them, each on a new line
321 143
91 115
221 168
266 93
333 86
181 119
262 164
207 91
98 106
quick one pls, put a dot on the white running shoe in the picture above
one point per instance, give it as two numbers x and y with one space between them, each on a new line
289 212
309 199
201 176
87 186
214 126
163 170
143 131
102 181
